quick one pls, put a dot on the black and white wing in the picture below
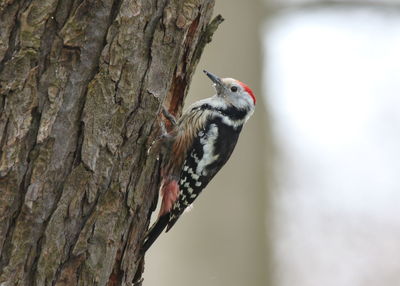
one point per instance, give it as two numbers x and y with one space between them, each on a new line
210 150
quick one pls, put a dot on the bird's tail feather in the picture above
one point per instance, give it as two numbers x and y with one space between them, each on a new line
154 232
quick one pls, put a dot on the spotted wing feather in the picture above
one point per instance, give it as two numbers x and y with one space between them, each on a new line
202 163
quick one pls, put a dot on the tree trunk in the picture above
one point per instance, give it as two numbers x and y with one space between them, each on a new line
81 84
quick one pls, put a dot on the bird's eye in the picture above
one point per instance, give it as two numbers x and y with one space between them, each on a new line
234 88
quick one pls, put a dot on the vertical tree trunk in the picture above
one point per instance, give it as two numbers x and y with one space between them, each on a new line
81 84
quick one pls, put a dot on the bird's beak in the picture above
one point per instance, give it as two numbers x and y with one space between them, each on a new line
214 78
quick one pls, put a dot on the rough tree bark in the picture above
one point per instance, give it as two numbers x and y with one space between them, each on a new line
81 84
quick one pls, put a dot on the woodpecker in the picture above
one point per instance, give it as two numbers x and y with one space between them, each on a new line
199 144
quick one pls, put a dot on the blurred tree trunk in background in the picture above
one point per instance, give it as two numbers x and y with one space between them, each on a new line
81 86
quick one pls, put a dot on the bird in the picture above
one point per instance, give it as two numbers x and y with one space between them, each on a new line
197 147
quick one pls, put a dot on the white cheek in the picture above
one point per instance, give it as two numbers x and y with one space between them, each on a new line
241 101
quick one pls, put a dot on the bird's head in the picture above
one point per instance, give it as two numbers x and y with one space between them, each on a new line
234 92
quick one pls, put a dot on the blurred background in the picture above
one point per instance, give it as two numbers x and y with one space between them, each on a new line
311 195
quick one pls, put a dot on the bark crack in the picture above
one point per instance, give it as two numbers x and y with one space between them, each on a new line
150 29
5 257
11 43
